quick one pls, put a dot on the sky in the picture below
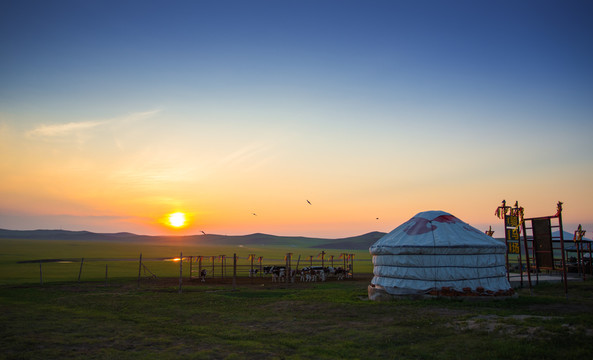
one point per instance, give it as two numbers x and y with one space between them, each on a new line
114 114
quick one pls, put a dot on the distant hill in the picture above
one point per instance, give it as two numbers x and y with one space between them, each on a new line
361 242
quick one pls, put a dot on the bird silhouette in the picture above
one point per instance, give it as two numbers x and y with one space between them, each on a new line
203 232
309 202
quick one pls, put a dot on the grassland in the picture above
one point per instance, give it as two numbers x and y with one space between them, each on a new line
258 319
332 320
122 259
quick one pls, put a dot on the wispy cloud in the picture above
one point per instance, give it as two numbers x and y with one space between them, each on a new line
63 129
71 128
138 116
242 155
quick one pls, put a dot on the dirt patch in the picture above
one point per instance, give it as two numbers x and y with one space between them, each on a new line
520 326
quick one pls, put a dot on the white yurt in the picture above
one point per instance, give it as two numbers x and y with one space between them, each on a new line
436 254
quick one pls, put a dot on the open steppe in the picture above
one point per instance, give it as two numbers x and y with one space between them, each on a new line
259 319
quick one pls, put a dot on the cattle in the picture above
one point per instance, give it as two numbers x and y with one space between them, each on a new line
338 272
203 274
252 272
313 273
277 272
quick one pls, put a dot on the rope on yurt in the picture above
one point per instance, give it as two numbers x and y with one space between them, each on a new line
434 245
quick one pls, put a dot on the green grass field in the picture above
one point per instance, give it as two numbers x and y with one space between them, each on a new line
258 319
122 259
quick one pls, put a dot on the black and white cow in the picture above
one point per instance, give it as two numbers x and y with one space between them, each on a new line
313 273
278 272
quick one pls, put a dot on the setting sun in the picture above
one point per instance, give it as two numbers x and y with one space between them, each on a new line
177 219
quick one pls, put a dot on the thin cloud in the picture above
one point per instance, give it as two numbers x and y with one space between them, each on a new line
138 116
63 129
67 129
243 155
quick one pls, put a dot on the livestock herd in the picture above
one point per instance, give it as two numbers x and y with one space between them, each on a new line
306 274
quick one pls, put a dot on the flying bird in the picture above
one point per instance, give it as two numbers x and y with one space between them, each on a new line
203 232
254 214
309 202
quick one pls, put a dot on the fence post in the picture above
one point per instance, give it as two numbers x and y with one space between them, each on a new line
234 271
40 274
80 271
190 266
212 258
287 274
106 274
251 273
139 269
180 270
261 269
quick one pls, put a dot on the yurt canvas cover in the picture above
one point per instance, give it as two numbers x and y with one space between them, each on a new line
435 253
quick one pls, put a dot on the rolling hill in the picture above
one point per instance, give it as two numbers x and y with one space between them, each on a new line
361 242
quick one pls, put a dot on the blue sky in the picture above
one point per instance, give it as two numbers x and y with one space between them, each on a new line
395 105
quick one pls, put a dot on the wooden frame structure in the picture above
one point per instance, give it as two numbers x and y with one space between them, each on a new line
541 246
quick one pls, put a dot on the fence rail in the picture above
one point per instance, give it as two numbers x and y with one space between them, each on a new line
184 266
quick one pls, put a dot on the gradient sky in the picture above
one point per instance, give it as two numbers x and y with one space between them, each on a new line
115 113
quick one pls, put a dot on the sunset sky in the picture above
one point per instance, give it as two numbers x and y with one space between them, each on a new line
114 114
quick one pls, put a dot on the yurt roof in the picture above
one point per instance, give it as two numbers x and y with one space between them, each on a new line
434 230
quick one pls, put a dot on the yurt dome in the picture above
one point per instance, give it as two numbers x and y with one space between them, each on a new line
435 253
